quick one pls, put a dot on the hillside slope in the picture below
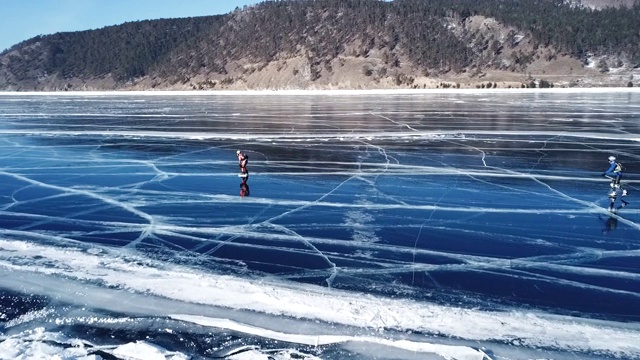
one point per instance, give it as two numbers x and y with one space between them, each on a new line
342 44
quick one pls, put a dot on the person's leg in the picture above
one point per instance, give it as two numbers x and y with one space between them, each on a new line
624 191
614 189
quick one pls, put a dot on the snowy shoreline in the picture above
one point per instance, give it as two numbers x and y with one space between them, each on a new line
328 92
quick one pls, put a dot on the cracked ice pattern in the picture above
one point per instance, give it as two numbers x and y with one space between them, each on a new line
476 199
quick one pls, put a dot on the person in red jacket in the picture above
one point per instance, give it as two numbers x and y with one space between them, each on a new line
243 159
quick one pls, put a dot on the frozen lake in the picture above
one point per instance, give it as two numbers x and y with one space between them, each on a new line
426 225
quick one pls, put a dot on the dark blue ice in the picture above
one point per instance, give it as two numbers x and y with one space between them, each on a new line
482 200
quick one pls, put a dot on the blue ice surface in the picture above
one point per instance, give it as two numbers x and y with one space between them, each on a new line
466 199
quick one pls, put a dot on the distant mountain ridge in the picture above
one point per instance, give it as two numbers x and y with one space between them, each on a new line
343 44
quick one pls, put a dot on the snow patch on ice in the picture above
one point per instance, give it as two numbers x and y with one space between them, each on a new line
127 271
38 344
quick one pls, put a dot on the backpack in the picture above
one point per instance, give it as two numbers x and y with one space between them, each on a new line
619 167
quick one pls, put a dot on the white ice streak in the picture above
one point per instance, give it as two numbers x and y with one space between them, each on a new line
296 137
378 206
447 351
328 305
395 122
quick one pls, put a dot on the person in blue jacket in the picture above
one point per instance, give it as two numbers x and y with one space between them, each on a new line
614 172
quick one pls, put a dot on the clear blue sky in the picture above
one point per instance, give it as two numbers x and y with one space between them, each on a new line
24 19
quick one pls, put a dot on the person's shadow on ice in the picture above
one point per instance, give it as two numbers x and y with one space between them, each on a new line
610 224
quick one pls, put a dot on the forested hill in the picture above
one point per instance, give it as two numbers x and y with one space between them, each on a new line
306 44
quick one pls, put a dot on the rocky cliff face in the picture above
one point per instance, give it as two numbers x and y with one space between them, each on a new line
601 4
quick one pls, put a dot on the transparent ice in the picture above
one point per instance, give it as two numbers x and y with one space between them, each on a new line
412 225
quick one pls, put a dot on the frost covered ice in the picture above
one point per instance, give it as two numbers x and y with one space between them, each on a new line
444 225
